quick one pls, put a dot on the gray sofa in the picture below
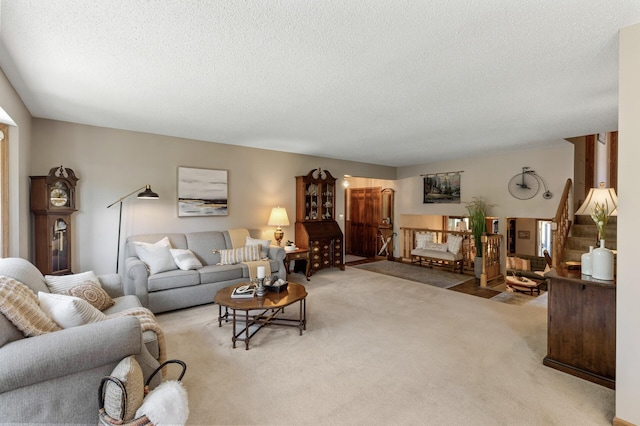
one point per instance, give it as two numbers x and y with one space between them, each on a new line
177 289
54 378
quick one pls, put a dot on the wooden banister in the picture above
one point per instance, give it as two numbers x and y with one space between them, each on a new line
560 226
490 248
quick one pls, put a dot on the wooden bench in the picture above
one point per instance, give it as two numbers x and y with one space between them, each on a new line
430 247
439 257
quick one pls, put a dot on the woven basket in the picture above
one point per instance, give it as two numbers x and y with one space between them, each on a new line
106 420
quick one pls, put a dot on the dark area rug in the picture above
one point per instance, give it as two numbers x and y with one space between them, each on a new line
434 277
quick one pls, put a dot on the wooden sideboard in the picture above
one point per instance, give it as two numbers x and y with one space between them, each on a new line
582 327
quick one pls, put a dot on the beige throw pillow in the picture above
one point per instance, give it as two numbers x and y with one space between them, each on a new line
128 371
241 254
93 294
61 284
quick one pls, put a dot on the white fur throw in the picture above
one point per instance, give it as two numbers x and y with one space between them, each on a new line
167 404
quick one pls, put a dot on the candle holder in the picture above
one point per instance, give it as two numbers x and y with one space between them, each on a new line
260 289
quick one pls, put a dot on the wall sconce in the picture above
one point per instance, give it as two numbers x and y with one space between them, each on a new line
345 183
278 218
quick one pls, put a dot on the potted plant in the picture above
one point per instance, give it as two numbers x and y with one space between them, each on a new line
290 246
477 210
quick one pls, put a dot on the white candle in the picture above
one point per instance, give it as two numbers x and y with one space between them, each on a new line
260 271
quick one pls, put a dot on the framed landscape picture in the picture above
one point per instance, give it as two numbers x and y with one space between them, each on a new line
442 188
202 192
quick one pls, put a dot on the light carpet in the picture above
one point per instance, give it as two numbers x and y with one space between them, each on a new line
382 350
421 274
353 258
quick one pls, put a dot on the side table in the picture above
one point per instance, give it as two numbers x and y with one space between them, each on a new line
298 254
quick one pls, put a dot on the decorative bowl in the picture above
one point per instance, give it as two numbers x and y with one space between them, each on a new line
290 248
277 288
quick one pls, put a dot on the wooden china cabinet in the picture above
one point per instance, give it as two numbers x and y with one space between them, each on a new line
316 227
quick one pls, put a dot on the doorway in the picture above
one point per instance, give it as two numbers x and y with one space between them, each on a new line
363 207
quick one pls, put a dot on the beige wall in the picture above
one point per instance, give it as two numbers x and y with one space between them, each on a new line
526 245
488 177
628 287
19 162
111 163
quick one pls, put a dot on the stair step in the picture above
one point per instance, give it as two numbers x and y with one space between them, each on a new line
584 233
571 255
586 220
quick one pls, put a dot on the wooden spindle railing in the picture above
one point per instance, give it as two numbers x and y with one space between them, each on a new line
490 258
490 249
560 227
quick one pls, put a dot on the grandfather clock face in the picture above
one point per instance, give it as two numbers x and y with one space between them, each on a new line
59 194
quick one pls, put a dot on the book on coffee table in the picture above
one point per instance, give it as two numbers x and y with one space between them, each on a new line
243 292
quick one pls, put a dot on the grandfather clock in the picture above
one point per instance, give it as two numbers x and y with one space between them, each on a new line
52 203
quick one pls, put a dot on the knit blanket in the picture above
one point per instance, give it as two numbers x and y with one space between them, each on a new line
238 237
148 321
20 305
253 268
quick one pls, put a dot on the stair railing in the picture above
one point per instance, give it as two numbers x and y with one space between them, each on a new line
560 226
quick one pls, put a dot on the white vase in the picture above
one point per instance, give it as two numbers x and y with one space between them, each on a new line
602 263
586 264
477 267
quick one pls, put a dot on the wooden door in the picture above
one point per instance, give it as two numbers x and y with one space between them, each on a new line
364 218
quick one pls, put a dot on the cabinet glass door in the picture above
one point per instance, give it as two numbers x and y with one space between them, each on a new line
328 197
59 246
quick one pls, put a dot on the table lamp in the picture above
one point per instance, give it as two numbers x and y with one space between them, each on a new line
278 218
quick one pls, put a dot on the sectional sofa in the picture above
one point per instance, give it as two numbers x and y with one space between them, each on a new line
170 287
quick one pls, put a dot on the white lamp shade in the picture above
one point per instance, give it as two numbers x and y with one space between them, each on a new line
603 196
278 217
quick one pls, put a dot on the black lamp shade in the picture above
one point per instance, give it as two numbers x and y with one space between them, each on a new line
148 193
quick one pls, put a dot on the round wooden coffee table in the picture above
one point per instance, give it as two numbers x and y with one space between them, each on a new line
257 312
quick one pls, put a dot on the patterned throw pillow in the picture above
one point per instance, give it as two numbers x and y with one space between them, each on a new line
20 306
93 294
436 247
69 311
264 246
185 259
240 254
156 256
61 284
423 238
454 243
128 371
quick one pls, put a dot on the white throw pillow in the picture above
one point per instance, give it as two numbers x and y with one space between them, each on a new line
69 311
156 256
185 259
454 243
264 246
63 283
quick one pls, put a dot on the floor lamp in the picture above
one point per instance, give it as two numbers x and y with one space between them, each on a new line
146 194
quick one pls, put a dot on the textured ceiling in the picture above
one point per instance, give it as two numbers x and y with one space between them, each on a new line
384 82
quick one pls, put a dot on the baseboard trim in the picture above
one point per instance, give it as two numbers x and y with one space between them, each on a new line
619 422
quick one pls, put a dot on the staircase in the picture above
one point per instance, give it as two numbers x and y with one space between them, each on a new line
584 233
